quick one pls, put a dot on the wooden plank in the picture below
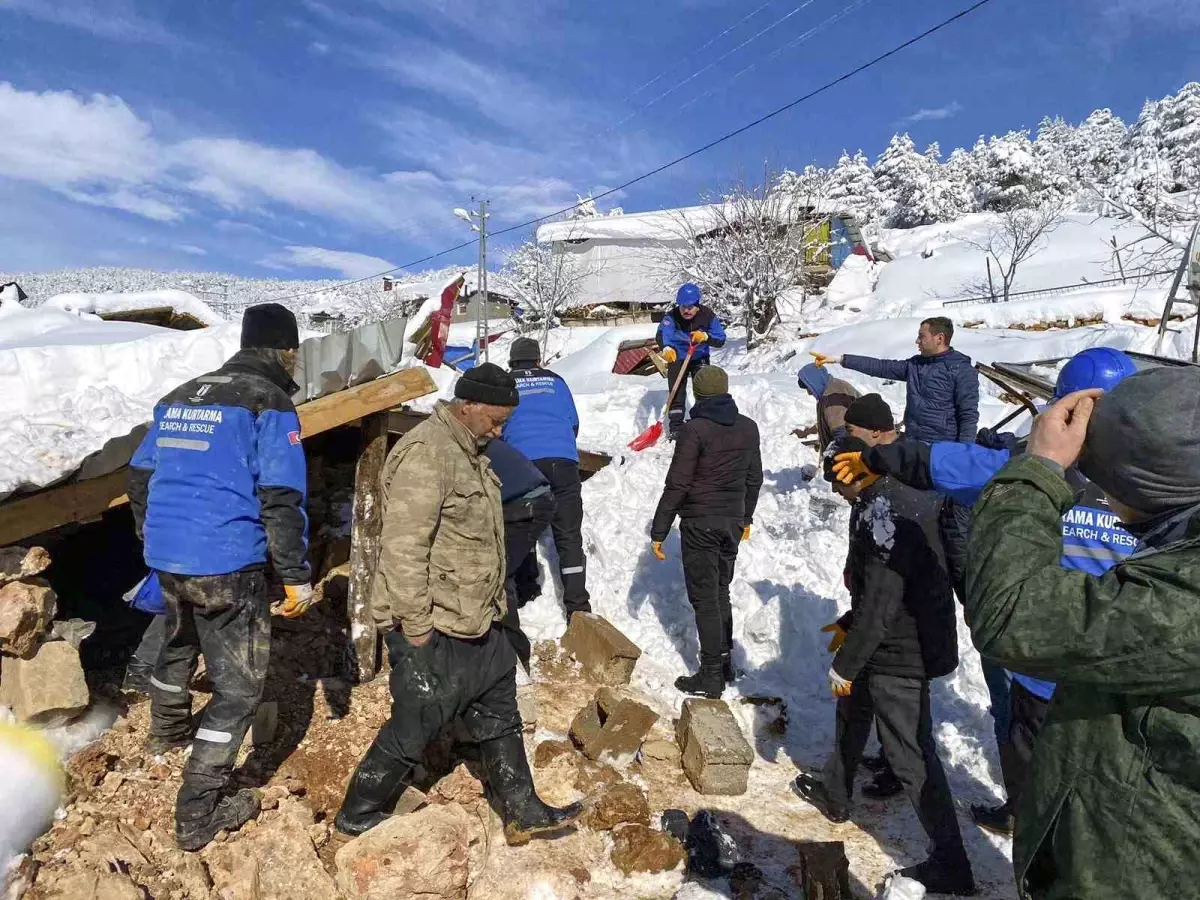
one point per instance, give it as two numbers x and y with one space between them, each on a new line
364 544
83 500
824 871
329 412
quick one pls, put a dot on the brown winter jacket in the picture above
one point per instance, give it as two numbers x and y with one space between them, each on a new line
831 410
441 557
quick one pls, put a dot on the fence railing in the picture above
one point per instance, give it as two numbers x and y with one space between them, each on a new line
1061 289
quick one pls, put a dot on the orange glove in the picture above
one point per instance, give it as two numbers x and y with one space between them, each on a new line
656 547
822 360
699 337
837 636
669 355
838 685
300 599
849 468
746 533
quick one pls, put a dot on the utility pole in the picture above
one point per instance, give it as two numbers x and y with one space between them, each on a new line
481 312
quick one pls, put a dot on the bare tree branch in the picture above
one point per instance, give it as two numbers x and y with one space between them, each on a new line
1019 235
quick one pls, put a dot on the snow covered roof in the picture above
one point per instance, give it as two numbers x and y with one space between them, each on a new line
662 224
108 304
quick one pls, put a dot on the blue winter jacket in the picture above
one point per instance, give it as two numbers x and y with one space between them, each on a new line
545 423
676 331
1093 539
943 393
518 476
218 483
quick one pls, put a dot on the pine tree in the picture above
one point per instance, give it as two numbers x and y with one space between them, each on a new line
1013 176
852 188
1097 148
1148 175
1051 150
1180 136
905 179
962 175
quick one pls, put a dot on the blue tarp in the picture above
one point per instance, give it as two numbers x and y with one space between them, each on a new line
839 238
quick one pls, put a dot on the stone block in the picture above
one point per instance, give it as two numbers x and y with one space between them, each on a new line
47 689
661 751
638 848
603 651
527 705
26 611
611 725
18 562
716 756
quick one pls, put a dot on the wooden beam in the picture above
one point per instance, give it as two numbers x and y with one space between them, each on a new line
364 543
80 501
329 412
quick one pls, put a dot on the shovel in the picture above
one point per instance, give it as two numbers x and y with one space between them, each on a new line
650 436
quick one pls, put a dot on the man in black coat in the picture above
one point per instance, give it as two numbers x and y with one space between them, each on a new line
899 634
712 486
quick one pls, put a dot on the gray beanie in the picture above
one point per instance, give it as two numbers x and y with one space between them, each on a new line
1143 440
523 350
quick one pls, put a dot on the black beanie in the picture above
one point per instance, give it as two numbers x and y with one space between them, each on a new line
487 383
269 326
870 412
843 444
524 350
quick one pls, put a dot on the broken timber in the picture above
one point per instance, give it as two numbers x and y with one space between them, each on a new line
364 543
81 501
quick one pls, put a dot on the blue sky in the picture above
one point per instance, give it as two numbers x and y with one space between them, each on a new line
326 138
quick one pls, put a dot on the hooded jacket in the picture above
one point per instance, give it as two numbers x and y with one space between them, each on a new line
716 469
833 396
942 403
218 483
1112 808
901 619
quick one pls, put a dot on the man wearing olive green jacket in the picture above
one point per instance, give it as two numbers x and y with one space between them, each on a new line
438 597
1112 805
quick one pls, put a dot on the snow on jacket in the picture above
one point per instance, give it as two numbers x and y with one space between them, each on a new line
716 469
518 476
676 331
441 552
1093 538
901 619
1112 807
218 483
833 397
942 403
545 423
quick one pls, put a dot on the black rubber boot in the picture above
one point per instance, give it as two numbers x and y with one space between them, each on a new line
377 782
727 671
708 682
874 764
231 814
511 782
996 819
939 877
813 790
883 785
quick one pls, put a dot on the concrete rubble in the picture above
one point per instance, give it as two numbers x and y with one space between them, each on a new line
612 725
716 755
605 653
47 689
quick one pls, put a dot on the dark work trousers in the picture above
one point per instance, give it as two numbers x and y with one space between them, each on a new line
446 678
954 526
899 708
679 401
710 548
567 526
153 638
228 619
524 521
999 684
1027 718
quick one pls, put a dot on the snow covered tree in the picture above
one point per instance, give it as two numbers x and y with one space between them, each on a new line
812 182
1180 136
1012 176
915 188
546 283
1148 177
1051 149
1096 149
753 246
852 188
962 175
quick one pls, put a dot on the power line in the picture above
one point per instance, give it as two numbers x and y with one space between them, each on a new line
899 48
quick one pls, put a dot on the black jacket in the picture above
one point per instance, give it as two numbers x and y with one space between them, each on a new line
901 621
716 469
518 476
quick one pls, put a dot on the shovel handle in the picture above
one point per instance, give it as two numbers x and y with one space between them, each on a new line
678 381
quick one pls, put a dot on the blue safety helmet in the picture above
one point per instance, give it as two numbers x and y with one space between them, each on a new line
1096 367
689 295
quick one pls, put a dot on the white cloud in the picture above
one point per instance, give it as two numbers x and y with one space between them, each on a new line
191 249
344 262
949 111
112 19
319 47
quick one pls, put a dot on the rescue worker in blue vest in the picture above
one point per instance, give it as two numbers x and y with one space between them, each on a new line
690 324
217 489
528 503
1093 542
544 427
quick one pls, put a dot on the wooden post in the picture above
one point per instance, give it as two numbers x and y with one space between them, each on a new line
364 544
824 871
991 284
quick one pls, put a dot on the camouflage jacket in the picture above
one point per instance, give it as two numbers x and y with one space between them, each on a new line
1112 807
441 556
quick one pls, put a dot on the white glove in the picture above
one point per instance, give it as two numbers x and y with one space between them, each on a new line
838 685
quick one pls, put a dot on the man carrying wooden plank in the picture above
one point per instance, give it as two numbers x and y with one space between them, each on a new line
439 600
218 489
